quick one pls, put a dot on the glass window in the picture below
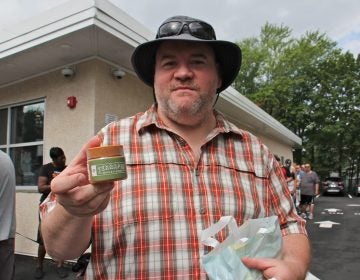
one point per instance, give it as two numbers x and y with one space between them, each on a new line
27 161
27 123
25 141
3 125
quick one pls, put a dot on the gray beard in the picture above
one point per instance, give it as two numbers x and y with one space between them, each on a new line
177 111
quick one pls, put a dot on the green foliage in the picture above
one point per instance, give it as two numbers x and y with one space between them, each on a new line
309 85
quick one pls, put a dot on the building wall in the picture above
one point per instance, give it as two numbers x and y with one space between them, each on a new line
99 95
282 150
118 97
27 221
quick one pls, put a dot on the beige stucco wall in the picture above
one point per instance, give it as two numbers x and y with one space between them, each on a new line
61 124
282 150
120 97
98 93
26 222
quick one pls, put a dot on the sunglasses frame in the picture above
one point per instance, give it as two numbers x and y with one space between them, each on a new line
208 34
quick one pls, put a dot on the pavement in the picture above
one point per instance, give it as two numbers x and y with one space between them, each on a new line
25 269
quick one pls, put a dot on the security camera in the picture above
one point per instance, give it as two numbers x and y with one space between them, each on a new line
118 73
67 72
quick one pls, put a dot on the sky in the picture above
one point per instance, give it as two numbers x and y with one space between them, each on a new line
233 20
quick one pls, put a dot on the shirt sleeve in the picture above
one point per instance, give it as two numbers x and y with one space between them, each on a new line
282 203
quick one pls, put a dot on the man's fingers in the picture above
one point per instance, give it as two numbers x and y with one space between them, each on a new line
258 263
86 200
61 184
266 266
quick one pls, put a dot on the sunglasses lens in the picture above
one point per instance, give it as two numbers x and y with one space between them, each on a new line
202 30
169 29
198 29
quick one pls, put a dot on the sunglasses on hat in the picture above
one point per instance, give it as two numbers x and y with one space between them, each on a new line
198 29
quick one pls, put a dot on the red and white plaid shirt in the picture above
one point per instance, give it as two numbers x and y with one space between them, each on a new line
152 226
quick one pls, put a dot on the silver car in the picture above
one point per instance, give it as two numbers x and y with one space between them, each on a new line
333 185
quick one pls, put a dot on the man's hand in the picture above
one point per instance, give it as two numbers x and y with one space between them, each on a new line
275 268
74 191
293 265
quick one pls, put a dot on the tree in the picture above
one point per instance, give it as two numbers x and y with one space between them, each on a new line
311 87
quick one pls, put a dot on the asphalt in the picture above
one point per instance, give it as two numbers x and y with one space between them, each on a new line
25 268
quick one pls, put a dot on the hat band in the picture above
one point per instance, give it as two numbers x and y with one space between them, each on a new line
198 29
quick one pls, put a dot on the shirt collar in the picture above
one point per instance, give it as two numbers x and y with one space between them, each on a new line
151 118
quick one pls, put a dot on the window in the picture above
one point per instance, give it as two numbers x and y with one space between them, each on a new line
21 136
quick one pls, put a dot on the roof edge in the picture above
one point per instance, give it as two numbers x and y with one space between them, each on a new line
243 103
69 17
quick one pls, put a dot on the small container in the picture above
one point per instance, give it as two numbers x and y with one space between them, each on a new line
106 164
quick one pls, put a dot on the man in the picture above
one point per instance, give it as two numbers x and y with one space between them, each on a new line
187 166
291 179
309 188
7 217
299 173
46 174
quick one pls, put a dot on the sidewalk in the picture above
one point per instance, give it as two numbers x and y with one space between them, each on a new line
25 268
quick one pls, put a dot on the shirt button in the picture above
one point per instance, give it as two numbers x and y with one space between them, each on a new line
202 211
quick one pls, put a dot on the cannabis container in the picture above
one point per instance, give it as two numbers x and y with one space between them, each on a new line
106 164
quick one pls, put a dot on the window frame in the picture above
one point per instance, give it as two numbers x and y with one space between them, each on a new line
8 145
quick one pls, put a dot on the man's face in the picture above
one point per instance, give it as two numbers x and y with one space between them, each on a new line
60 161
186 80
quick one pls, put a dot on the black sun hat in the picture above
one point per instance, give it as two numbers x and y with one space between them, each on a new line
183 28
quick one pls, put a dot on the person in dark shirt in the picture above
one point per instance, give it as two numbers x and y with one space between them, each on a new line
46 174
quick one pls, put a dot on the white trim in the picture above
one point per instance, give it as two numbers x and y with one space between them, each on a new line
71 17
41 35
233 96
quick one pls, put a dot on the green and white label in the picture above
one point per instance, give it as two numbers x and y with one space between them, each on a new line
107 169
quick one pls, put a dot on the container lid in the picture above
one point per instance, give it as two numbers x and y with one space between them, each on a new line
105 151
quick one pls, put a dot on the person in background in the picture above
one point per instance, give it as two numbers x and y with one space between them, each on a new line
48 172
309 188
291 179
282 167
186 167
7 217
302 168
299 173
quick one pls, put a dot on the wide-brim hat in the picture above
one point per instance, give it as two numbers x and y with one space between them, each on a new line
227 54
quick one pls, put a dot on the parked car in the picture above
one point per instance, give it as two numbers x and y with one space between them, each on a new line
357 190
333 185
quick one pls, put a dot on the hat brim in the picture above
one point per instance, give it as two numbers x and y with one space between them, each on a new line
227 54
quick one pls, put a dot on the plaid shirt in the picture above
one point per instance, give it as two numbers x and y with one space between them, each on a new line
152 226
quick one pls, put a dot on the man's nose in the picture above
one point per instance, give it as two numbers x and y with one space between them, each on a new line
184 72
